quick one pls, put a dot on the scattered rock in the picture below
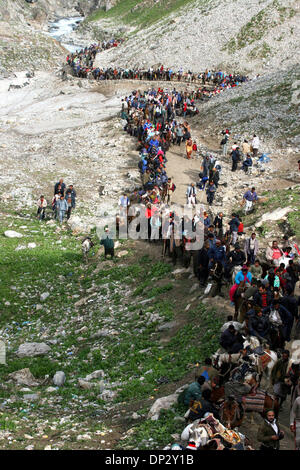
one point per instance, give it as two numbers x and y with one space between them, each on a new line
167 326
59 378
164 403
12 234
33 349
31 396
85 385
95 375
44 296
24 377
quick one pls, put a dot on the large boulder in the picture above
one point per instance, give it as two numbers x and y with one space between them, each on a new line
59 378
12 234
24 377
33 349
277 214
164 403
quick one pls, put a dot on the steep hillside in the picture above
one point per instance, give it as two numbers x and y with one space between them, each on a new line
249 36
19 11
268 106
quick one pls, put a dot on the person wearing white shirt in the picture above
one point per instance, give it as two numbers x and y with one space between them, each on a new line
191 194
255 145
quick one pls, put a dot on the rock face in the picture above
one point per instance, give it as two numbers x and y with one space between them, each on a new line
33 349
86 7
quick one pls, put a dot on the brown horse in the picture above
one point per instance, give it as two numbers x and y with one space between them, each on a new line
238 299
231 414
270 402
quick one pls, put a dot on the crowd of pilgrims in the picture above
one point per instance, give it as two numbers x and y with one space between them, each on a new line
270 310
82 63
152 117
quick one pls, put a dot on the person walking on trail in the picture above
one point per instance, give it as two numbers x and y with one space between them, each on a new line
269 433
224 142
60 187
61 208
210 192
249 197
278 375
124 203
246 149
255 145
236 157
295 422
72 193
218 224
274 254
234 226
251 248
191 195
189 148
170 190
108 243
42 204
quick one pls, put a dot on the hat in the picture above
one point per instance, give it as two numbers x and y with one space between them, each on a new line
245 267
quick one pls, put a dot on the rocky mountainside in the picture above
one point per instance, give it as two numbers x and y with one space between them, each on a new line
255 36
20 11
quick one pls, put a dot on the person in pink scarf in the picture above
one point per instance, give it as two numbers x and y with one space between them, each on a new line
242 276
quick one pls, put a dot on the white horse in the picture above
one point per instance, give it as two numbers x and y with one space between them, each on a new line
86 245
294 348
254 343
196 433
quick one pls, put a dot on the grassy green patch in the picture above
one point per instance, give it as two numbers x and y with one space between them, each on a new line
142 14
154 434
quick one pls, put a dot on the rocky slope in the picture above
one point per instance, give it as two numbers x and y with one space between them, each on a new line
248 36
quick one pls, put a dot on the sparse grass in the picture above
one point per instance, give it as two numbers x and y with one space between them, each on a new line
258 27
276 199
141 14
130 372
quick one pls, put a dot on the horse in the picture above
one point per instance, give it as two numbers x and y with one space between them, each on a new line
86 246
216 274
231 414
203 431
265 359
238 298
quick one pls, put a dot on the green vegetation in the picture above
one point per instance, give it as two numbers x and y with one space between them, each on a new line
131 297
155 432
258 27
142 13
274 200
260 52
